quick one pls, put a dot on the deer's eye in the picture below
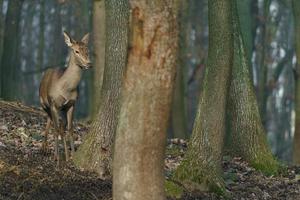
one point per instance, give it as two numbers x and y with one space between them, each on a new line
77 52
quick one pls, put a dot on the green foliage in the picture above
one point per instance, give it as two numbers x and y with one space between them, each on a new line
267 164
173 190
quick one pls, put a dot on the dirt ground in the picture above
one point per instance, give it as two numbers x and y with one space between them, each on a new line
28 174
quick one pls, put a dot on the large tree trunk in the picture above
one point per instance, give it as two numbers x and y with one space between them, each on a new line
179 111
146 101
296 147
99 55
9 69
95 153
246 135
202 162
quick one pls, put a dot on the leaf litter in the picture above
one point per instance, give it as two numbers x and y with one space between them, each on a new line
26 173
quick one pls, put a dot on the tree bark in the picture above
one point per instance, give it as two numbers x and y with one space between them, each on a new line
95 153
99 54
9 69
246 135
296 145
201 168
2 16
146 102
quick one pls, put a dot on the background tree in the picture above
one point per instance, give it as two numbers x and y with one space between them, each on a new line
146 102
9 62
296 148
179 110
202 162
2 16
95 153
41 45
265 38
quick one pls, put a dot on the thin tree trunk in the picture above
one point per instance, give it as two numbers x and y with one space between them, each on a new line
179 112
2 16
40 59
1 38
201 168
263 65
296 146
9 69
95 153
146 102
57 56
246 135
99 55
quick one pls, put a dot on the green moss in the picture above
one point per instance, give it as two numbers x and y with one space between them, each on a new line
198 179
220 190
267 164
173 190
174 150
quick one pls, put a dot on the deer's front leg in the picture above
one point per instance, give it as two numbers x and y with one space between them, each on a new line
70 128
56 123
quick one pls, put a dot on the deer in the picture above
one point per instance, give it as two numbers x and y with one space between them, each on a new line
58 93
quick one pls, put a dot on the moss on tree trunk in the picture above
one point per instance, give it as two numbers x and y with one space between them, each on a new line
201 168
95 153
246 136
146 101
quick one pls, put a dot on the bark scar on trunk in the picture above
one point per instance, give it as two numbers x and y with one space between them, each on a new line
150 47
138 32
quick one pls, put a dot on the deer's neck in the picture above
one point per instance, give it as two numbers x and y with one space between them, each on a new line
72 75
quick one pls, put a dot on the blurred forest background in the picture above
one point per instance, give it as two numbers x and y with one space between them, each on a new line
31 41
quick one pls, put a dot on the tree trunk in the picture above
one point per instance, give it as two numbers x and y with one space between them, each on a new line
95 153
57 56
201 168
2 16
179 112
263 64
40 58
99 55
146 101
296 146
9 69
246 135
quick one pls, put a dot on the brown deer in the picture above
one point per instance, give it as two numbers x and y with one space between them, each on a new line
59 91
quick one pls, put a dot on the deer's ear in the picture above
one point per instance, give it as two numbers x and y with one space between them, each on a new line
85 38
68 40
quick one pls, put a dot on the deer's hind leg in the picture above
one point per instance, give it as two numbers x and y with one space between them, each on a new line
45 142
57 126
70 128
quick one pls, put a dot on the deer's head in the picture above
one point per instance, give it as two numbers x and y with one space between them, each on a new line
80 50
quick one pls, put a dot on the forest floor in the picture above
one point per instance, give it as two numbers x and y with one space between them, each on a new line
27 174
